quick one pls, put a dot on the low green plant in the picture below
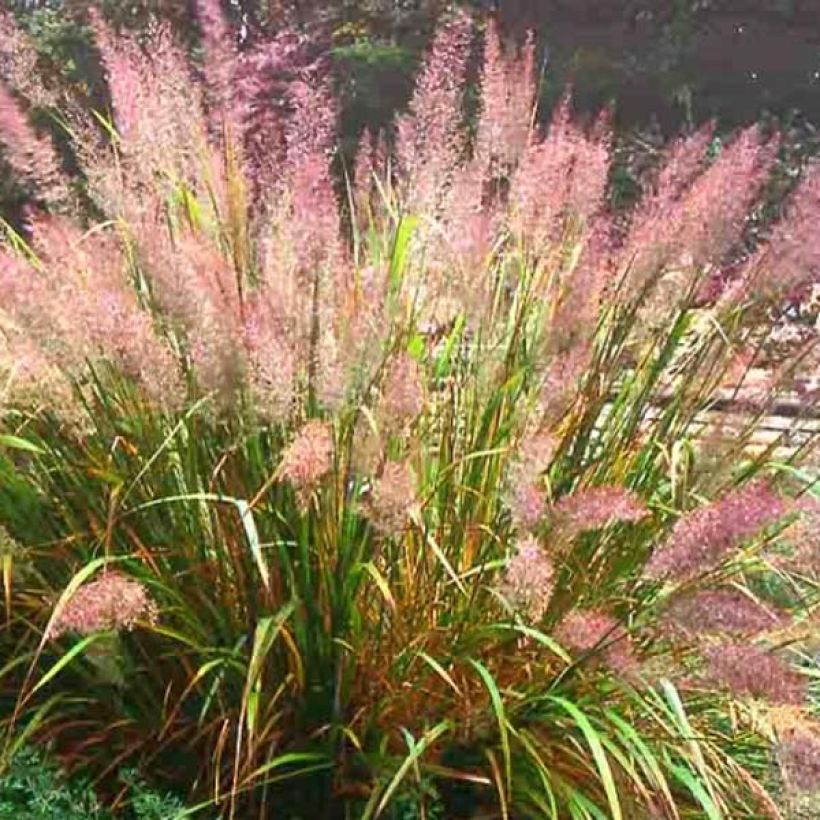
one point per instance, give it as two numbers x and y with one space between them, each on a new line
32 788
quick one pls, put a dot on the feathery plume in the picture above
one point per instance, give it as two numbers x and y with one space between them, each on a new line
592 631
30 156
308 458
540 187
529 579
88 299
80 308
579 304
592 508
789 261
799 759
527 505
18 64
692 220
158 113
684 161
805 539
111 602
393 498
701 539
402 396
508 95
429 139
272 363
745 670
562 379
526 496
716 611
713 211
590 171
30 380
220 58
261 104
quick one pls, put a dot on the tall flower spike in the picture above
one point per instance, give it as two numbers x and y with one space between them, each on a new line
562 378
527 504
308 458
526 497
429 140
790 261
528 581
111 602
727 611
684 161
272 361
158 114
30 156
584 631
220 55
577 313
508 97
90 303
403 394
714 210
805 540
799 758
540 187
309 137
260 103
595 507
703 538
32 381
749 671
590 173
19 65
393 498
123 64
693 219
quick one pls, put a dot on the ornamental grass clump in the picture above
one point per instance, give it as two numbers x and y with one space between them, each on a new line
415 511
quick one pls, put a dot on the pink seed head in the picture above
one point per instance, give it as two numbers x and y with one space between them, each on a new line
528 580
745 670
308 458
393 498
703 538
592 508
111 602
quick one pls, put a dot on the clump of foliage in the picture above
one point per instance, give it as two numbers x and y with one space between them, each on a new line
419 520
31 787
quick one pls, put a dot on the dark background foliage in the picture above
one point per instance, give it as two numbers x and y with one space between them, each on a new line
673 63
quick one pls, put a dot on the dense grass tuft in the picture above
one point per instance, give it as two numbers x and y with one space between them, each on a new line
406 513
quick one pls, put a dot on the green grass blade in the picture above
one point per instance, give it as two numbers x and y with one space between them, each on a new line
598 753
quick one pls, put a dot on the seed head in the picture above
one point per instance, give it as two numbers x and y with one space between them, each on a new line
393 498
799 758
403 394
593 631
595 507
529 579
746 670
112 602
308 458
703 538
716 611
